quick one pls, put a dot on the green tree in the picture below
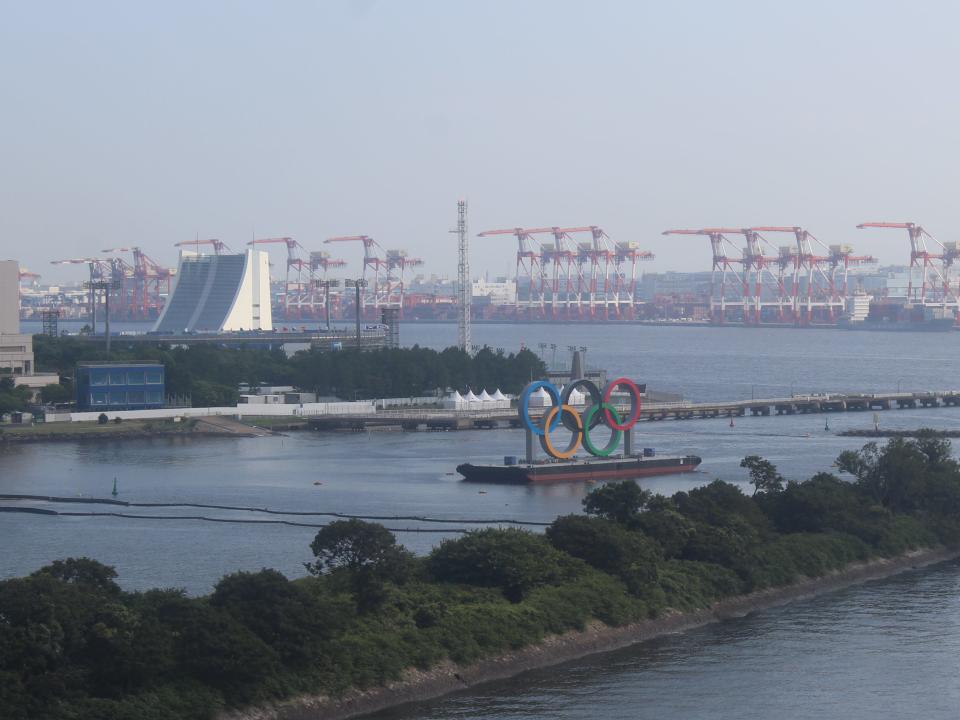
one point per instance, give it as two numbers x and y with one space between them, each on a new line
210 394
763 474
82 571
618 501
896 475
367 553
668 527
55 394
610 547
287 616
515 561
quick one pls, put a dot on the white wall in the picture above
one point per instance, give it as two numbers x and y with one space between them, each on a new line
251 307
9 297
304 410
262 303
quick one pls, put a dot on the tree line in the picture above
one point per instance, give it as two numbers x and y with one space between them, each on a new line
210 375
74 645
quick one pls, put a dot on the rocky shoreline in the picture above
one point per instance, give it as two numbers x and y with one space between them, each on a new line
418 685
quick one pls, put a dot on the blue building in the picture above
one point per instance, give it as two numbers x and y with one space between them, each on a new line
119 386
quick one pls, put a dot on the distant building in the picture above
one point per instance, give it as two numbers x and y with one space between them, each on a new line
674 284
119 386
502 292
219 293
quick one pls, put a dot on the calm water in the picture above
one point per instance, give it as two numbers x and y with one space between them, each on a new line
887 649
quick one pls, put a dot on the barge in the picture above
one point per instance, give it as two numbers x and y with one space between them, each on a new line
623 467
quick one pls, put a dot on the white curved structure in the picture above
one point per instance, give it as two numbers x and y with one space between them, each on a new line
219 293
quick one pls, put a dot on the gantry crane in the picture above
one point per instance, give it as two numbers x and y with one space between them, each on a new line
143 285
563 260
721 296
600 255
819 281
99 269
218 245
373 294
935 287
529 267
295 279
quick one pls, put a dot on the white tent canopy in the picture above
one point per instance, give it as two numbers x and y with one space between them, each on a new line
501 400
540 398
454 401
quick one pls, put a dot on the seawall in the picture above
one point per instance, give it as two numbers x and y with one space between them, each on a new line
418 685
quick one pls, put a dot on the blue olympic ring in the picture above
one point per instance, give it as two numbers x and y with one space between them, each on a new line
524 405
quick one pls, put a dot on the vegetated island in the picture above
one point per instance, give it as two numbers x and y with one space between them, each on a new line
373 625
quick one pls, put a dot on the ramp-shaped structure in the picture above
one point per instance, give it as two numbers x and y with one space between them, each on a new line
219 293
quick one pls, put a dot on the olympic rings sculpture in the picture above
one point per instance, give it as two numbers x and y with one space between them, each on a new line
600 412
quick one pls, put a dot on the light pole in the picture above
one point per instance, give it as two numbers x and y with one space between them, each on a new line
327 284
358 283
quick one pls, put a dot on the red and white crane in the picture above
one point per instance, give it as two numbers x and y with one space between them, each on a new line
599 254
929 281
296 277
562 257
817 287
374 294
728 283
529 273
144 284
218 245
99 269
626 254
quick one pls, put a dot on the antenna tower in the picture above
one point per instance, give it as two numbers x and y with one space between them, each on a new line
464 288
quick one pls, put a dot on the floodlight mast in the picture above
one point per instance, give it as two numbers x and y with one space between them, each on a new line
464 287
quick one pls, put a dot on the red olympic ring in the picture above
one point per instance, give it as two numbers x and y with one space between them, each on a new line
635 404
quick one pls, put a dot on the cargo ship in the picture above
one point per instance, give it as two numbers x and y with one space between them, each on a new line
622 467
895 317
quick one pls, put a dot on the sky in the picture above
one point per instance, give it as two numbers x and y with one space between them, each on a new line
132 123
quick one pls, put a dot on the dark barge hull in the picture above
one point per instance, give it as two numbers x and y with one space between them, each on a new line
611 469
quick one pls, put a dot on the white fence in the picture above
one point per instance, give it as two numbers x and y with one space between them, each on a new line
384 403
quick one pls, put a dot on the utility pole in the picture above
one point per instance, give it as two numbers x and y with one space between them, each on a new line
464 288
358 285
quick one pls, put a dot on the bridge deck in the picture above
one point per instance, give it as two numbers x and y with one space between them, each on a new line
470 419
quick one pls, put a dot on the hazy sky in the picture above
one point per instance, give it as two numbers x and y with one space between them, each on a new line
149 123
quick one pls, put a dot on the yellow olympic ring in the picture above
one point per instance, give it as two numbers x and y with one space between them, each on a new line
575 441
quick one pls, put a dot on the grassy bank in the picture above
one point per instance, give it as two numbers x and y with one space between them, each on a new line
74 645
76 430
